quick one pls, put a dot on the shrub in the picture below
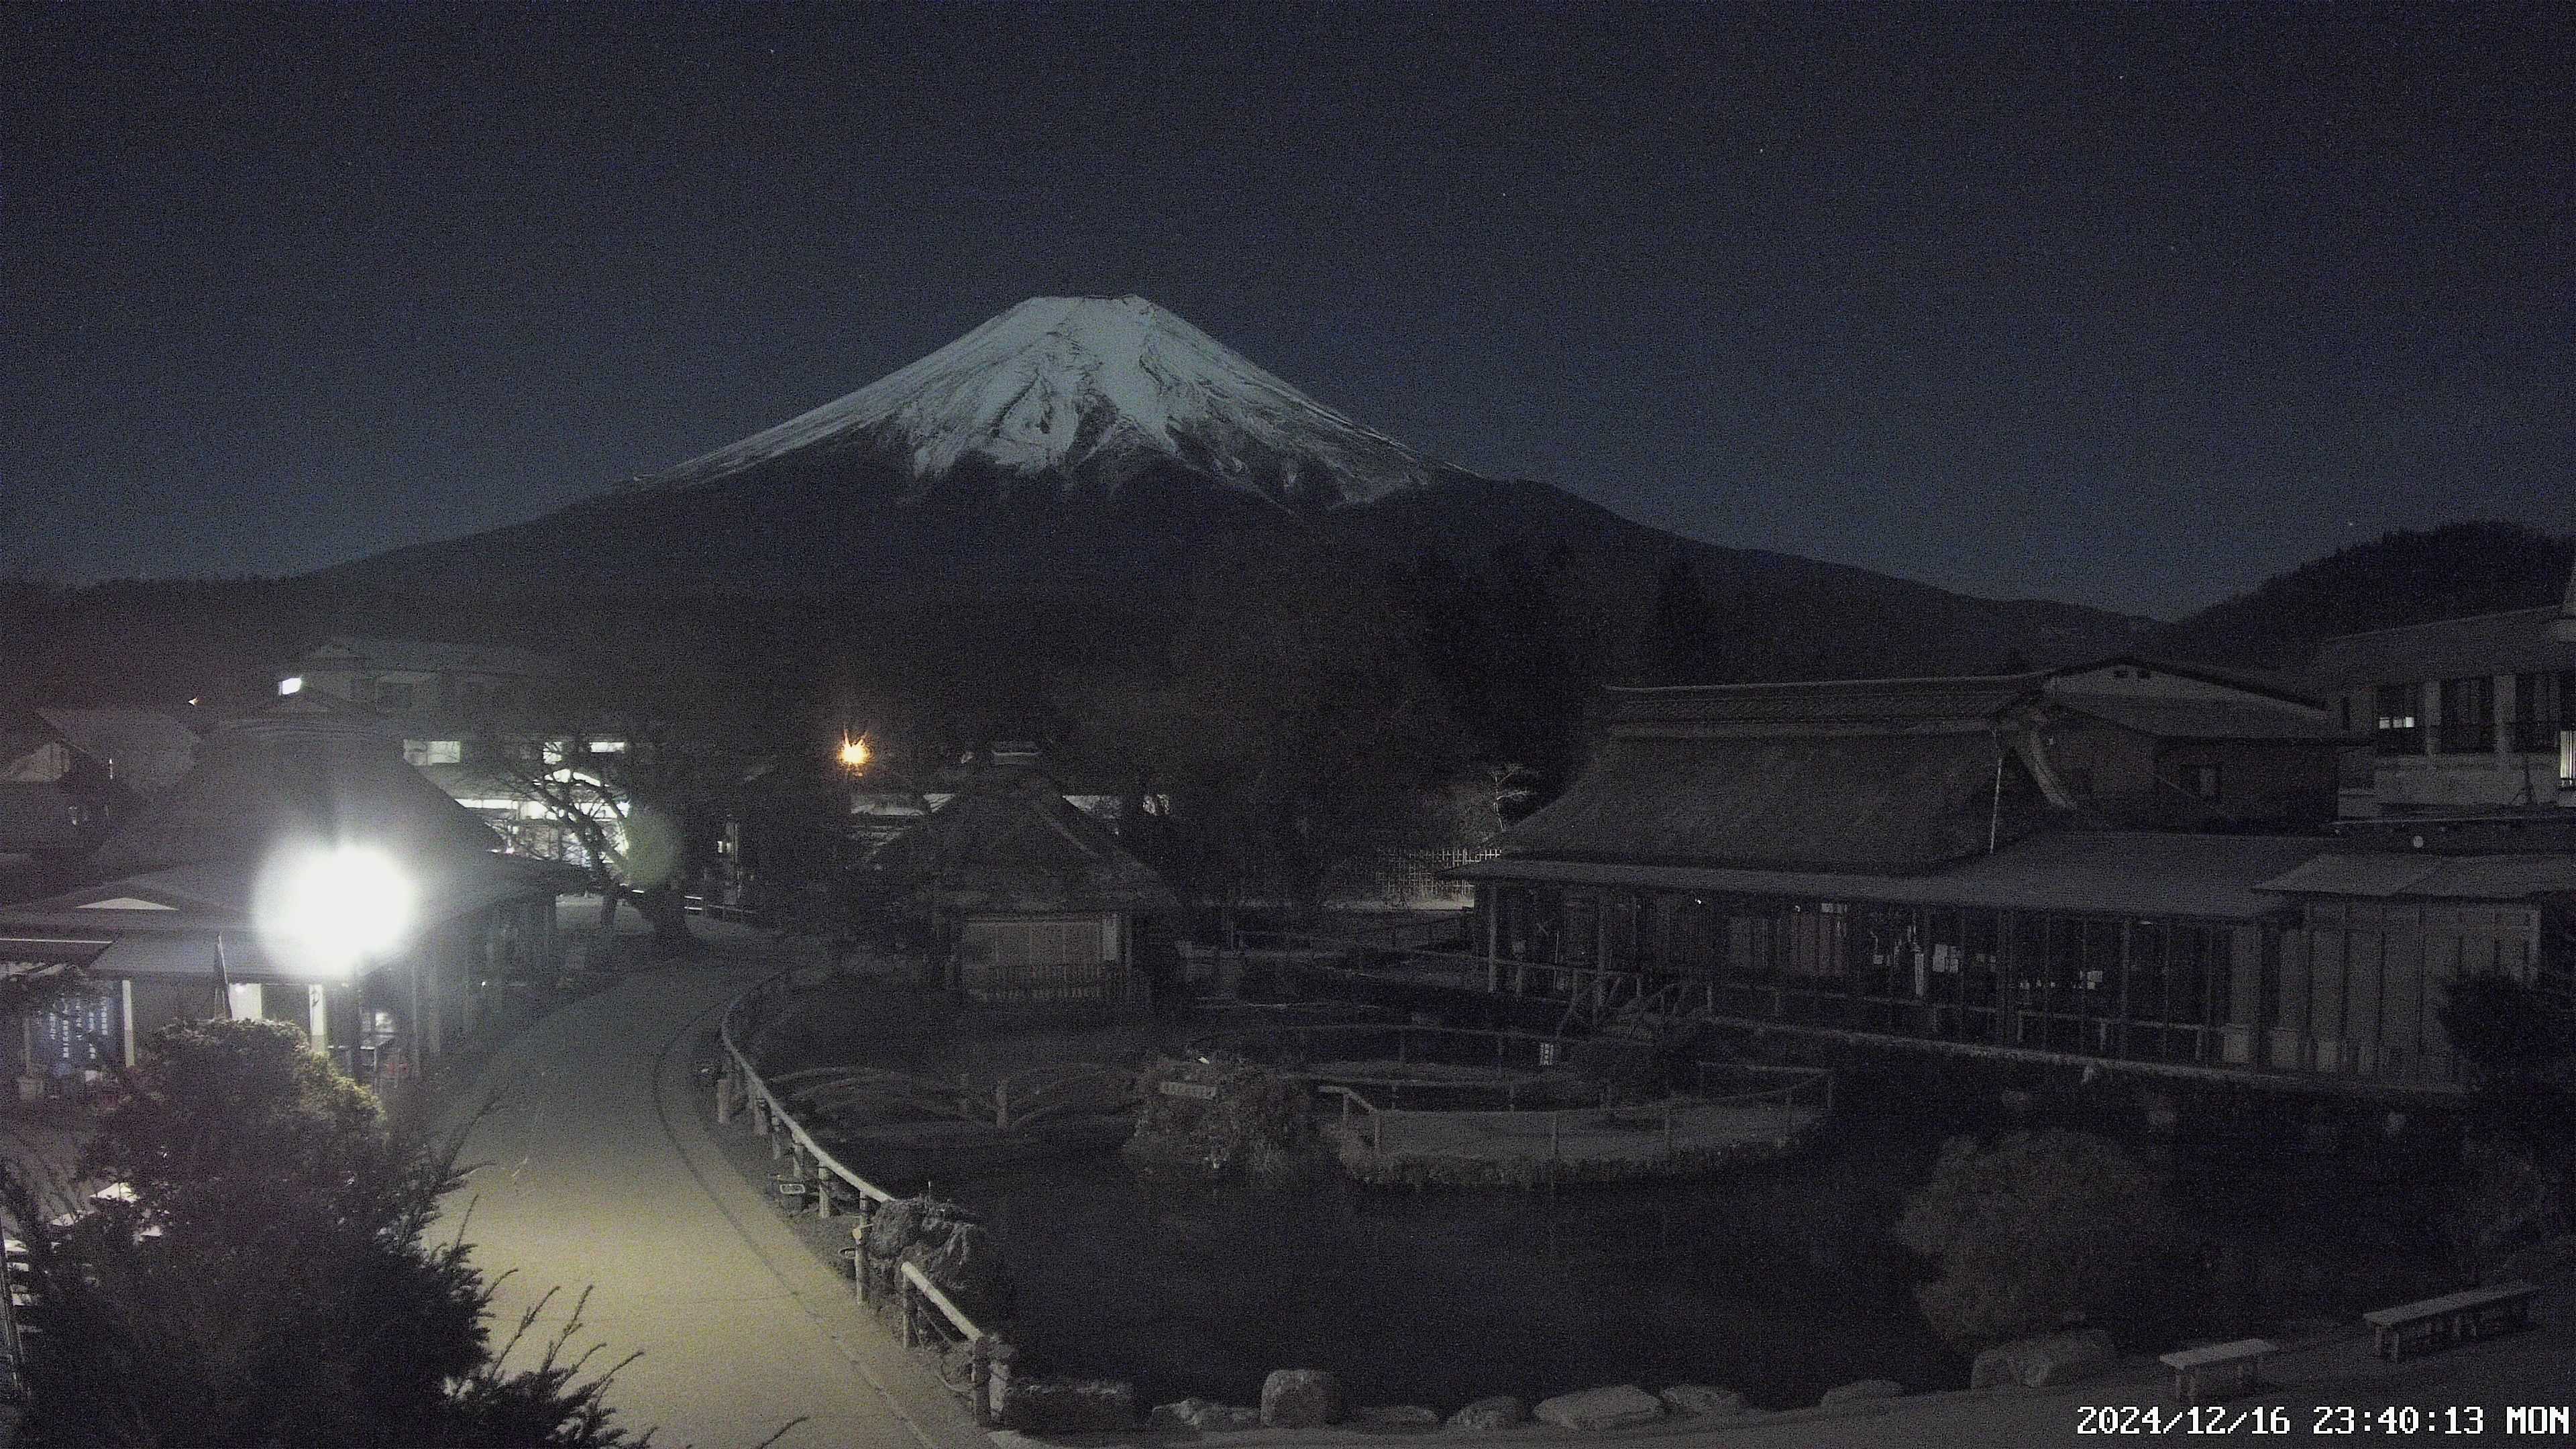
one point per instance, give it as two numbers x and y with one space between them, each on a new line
2031 1230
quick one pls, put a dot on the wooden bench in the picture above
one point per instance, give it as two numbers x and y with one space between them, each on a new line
2472 1313
2241 1362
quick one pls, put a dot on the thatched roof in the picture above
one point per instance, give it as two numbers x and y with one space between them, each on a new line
1886 803
2134 873
306 767
1009 843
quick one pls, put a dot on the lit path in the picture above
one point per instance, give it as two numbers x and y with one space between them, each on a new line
601 1172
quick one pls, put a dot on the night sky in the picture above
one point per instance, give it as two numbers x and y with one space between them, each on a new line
2131 306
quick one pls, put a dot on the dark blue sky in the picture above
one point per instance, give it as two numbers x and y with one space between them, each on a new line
2127 305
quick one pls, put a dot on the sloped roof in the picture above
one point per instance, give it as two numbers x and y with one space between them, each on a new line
1962 703
2207 719
1009 842
2513 642
165 922
2448 877
2207 877
429 656
300 768
147 750
1892 803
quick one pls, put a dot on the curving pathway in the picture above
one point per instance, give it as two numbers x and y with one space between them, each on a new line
598 1170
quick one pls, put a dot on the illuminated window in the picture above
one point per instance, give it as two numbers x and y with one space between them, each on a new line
607 747
2399 727
433 752
291 684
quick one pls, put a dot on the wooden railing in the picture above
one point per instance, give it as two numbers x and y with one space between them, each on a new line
920 1298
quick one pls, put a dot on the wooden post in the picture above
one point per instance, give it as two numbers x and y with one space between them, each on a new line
724 1091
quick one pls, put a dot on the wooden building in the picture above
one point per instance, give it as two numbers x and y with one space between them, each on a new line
1905 857
2467 715
169 925
1023 898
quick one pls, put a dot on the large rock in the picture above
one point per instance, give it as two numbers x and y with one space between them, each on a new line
1205 1415
2036 1363
1068 1406
1860 1391
1498 1411
1620 1407
1702 1402
1300 1399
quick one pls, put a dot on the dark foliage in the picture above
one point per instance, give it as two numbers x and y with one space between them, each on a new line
270 1281
2399 578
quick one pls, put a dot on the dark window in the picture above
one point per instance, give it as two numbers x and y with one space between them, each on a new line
393 696
2400 720
2539 710
2204 781
2468 715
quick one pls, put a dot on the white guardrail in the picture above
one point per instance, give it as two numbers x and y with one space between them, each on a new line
811 1162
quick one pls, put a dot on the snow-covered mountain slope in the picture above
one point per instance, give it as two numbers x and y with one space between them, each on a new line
1091 390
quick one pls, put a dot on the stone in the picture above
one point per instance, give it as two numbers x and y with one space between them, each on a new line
1860 1391
1496 1411
1701 1401
1205 1415
1621 1406
1068 1406
2036 1363
1300 1399
1395 1419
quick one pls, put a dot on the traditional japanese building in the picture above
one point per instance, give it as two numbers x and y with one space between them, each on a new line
1021 898
174 922
1921 859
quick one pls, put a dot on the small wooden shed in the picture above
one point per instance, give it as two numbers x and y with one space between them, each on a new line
1026 900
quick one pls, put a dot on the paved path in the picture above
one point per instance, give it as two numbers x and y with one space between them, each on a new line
600 1172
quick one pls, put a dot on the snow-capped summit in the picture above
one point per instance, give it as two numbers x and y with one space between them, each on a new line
1092 389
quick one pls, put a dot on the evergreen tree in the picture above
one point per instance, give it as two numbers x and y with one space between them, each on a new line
270 1281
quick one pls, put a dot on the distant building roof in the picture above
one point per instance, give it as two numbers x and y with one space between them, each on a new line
2514 642
1008 841
302 767
1890 803
429 656
2439 877
143 749
2208 877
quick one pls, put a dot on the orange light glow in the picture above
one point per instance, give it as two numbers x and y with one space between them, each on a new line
854 753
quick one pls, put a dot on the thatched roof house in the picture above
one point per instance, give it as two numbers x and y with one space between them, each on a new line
306 767
1030 900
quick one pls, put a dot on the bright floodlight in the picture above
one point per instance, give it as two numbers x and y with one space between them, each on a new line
326 909
854 753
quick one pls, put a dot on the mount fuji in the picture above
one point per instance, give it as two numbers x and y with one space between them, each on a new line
1091 391
1085 460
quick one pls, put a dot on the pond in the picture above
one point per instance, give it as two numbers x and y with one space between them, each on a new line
1776 1281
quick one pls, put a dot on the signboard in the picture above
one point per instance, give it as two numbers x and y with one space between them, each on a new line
82 1029
1200 1090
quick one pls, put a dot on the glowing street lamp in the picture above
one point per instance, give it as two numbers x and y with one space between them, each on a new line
322 910
854 753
